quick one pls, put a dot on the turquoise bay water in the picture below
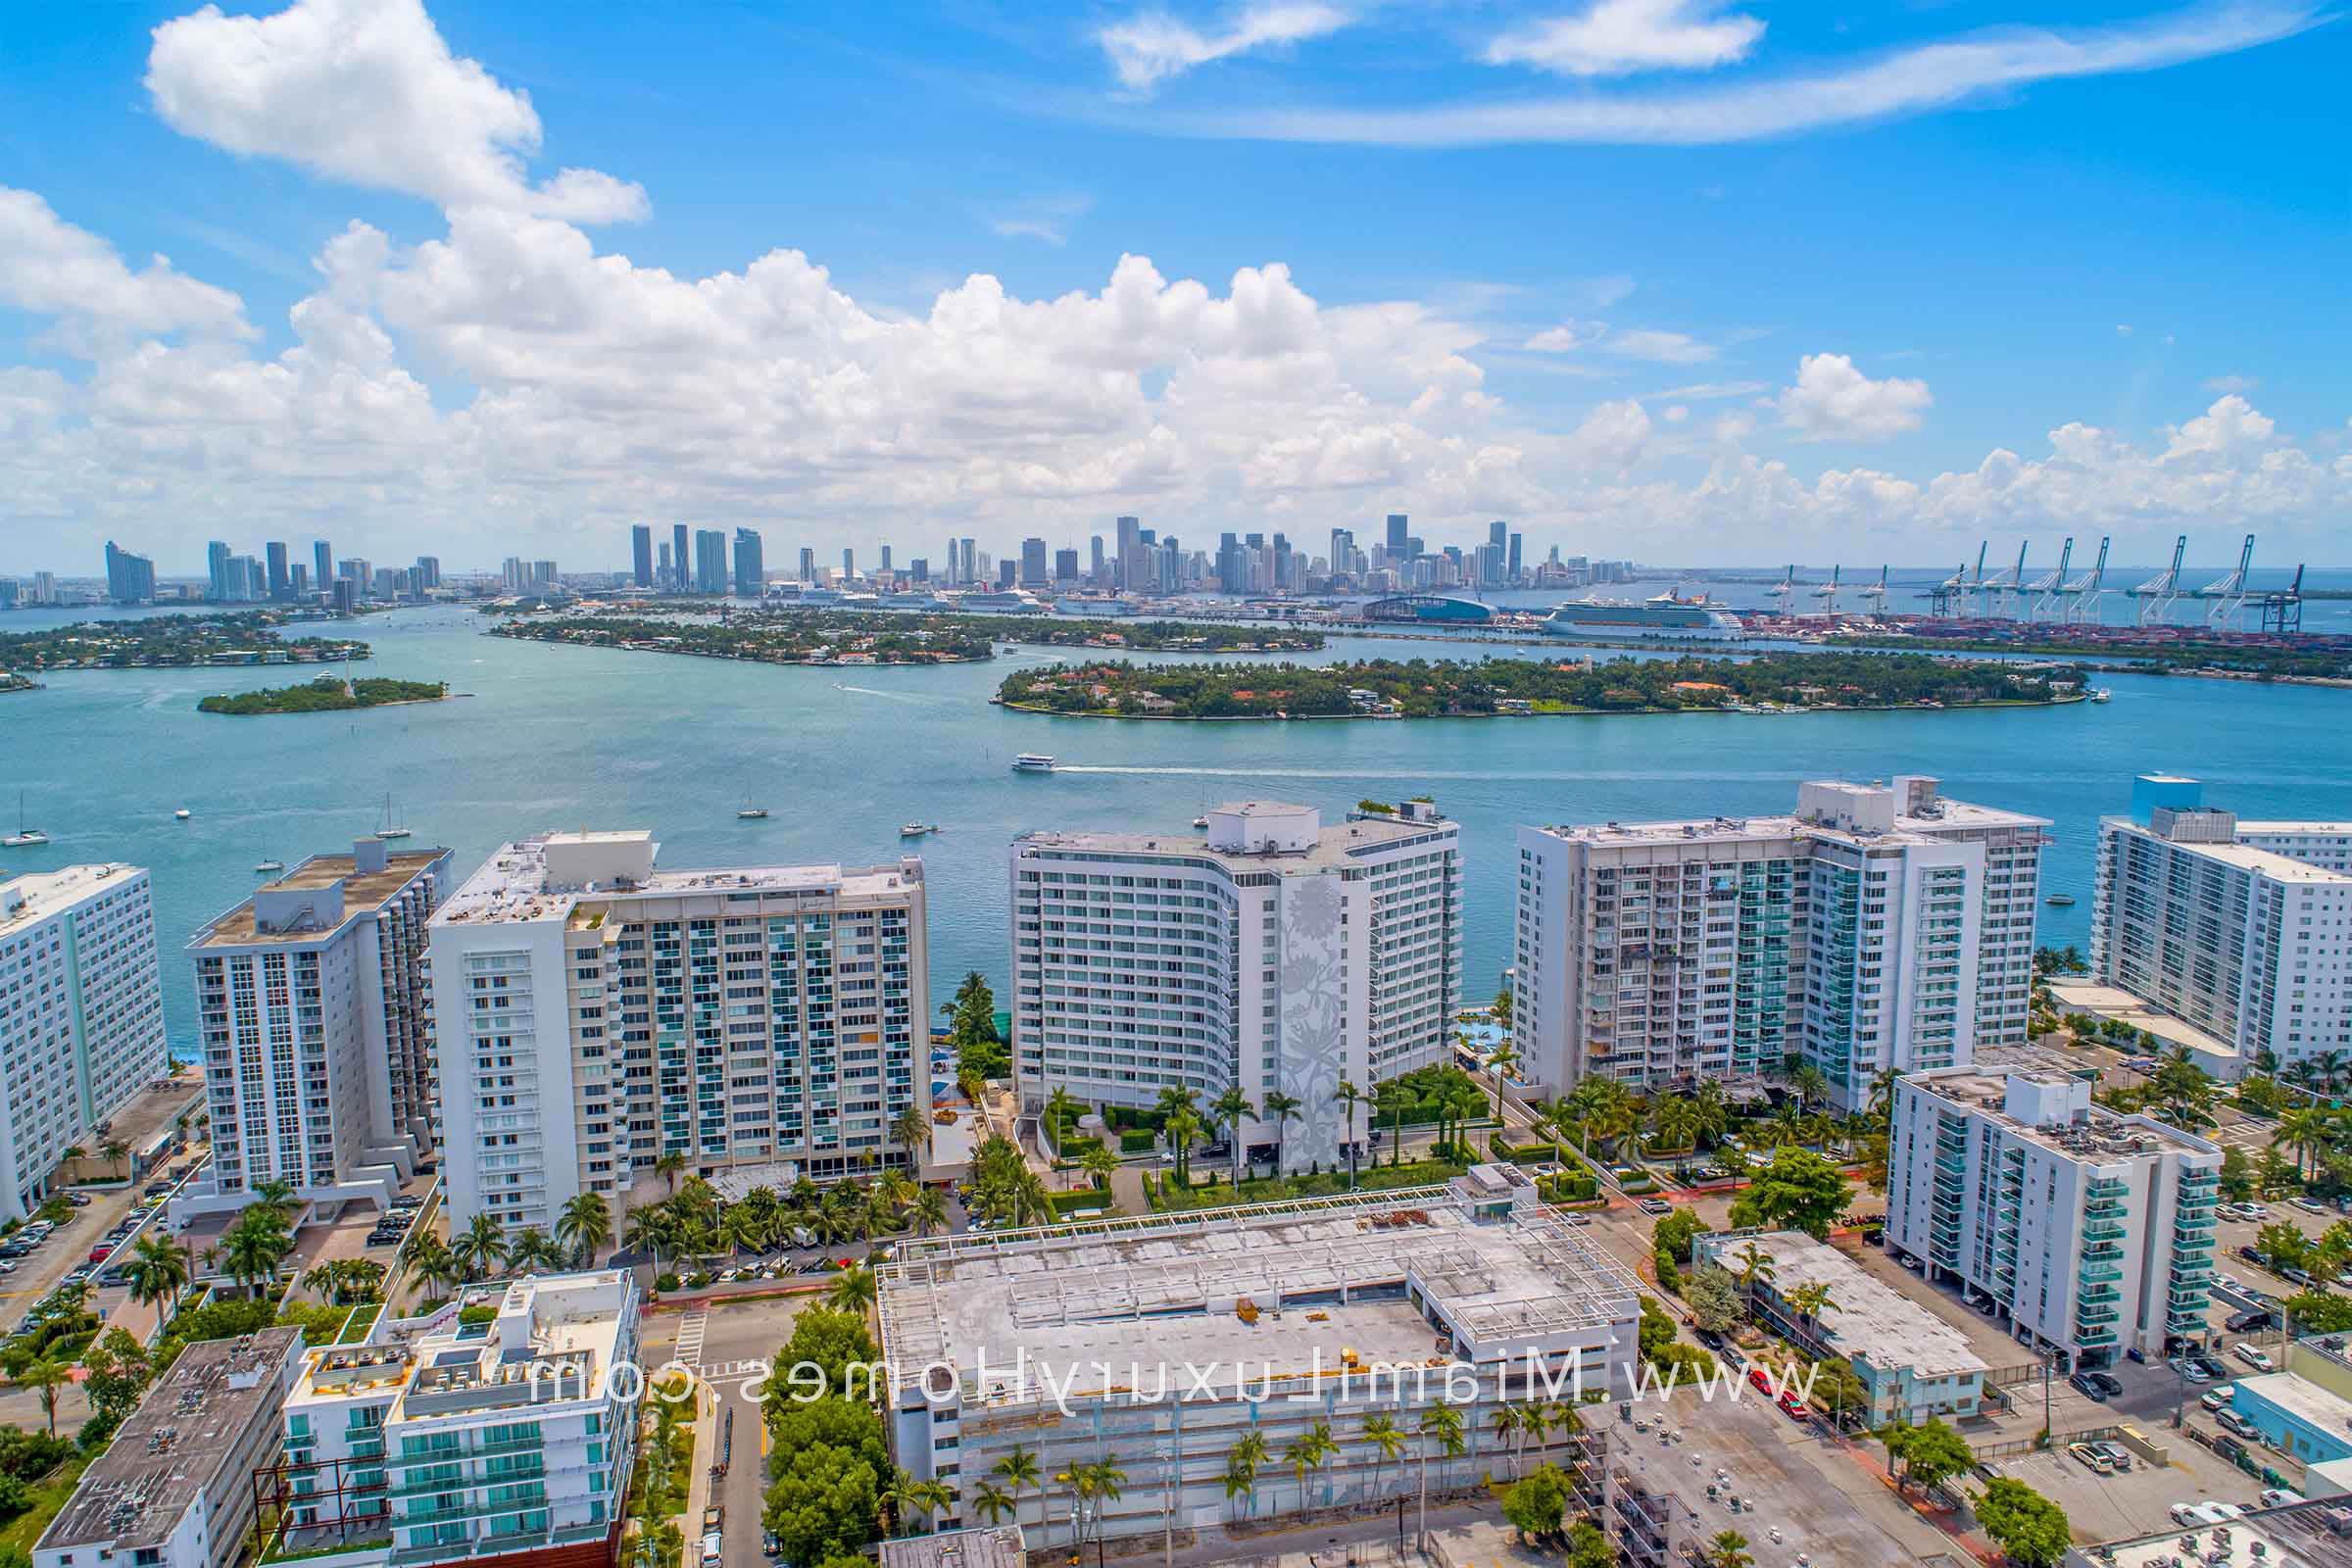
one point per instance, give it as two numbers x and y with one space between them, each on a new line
563 738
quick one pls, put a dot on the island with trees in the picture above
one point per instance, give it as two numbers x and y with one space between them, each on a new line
151 642
328 694
1771 683
816 636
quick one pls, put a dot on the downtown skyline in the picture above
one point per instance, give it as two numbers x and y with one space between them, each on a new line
520 321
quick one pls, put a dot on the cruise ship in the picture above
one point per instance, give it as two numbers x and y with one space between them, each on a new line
1664 617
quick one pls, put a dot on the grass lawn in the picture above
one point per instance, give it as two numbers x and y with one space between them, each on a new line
47 1498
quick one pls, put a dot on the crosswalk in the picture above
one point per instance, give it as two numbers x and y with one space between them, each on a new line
690 1336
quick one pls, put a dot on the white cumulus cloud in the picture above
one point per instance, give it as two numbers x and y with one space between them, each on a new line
1617 37
1832 401
367 91
51 267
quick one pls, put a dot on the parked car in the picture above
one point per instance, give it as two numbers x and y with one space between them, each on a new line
2116 1454
2255 1255
2098 1385
1794 1407
2250 1321
2278 1497
2081 1384
2216 1396
2308 1206
2237 1426
1657 1206
2188 1369
2091 1458
2213 1370
2254 1357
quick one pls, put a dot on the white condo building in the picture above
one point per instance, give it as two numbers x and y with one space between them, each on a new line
1272 953
317 1038
441 1442
592 1013
2241 929
81 1016
2091 1232
1879 926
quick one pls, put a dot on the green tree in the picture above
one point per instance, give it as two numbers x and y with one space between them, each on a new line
2025 1524
1280 1109
1796 1189
120 1370
480 1248
584 1225
45 1377
851 1290
1349 1097
2283 1244
825 1503
1588 1546
1713 1298
828 1340
1729 1550
1306 1454
1536 1505
1674 1233
1931 1453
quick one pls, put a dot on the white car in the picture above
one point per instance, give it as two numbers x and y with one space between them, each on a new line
2278 1497
2259 1360
2215 1397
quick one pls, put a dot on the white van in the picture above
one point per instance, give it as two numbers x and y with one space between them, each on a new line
711 1554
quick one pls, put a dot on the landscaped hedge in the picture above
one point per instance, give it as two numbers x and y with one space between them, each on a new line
1137 1140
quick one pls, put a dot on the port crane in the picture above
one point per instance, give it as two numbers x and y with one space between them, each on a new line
1827 592
2283 612
2008 587
2050 589
2228 594
1783 592
2160 593
2086 596
1874 597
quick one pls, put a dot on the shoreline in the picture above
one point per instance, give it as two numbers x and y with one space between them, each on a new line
355 707
1565 712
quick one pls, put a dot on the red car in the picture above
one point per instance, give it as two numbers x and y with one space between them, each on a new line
1755 1375
1795 1408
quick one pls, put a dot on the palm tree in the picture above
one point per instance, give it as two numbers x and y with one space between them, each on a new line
435 1264
993 1503
1349 1097
1182 1130
1232 1108
1440 1424
1017 1469
1105 1482
911 1131
116 1153
930 1211
1307 1452
480 1248
926 1497
1755 1264
1729 1550
584 1225
1508 1420
1280 1109
1808 1083
534 1249
852 1290
1393 1098
1059 1106
47 1376
2305 1132
1387 1440
1242 1461
1809 1301
158 1272
672 1164
1501 1061
1100 1164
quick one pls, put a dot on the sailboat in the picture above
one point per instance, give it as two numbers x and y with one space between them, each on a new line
390 830
24 838
750 813
268 865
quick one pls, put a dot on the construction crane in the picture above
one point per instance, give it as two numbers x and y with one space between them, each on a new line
2283 612
2160 593
1874 597
1783 592
2086 596
2228 594
1828 594
2050 589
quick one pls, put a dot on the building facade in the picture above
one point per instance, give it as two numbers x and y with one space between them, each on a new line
318 1037
1273 953
1877 927
1165 1339
592 1013
509 1443
81 1016
2089 1233
2241 929
174 1488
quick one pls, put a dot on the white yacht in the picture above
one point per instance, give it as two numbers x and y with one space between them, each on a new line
915 830
1033 762
181 816
390 829
26 837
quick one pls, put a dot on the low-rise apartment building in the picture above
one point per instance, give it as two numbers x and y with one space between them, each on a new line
2091 1233
507 1442
174 1488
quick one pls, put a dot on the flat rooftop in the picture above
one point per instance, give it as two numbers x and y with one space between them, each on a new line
1335 845
513 884
1948 817
1868 1318
2097 1136
574 1322
1164 1290
178 1446
2302 1535
363 893
2278 866
45 893
2299 1397
988 1546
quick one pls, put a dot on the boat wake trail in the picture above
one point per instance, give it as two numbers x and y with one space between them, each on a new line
1410 774
888 697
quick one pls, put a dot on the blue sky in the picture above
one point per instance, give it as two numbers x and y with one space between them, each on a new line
1675 279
